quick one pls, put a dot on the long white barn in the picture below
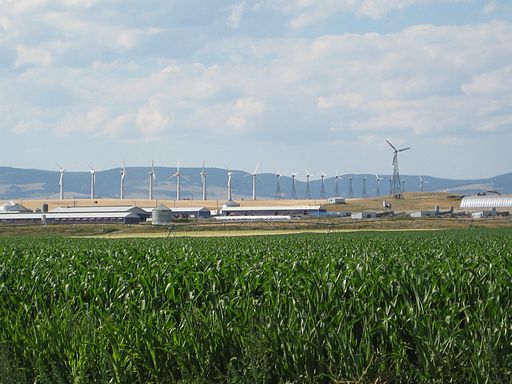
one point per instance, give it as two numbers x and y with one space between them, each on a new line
494 201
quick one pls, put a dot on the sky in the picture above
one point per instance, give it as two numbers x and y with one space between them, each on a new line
291 84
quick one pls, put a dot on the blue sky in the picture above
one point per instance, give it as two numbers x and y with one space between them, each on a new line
295 85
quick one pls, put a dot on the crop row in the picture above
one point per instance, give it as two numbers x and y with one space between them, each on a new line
310 308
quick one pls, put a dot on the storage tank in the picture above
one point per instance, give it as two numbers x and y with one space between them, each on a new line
161 215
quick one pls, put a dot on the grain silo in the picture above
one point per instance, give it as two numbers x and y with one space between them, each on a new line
161 215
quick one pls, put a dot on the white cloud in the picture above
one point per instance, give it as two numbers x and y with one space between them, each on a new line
490 7
494 82
235 15
151 122
89 122
243 110
35 56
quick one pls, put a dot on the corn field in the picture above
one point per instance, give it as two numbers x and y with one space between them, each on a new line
337 308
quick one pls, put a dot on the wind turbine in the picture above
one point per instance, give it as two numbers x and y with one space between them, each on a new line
396 188
152 178
322 185
278 186
203 181
308 190
350 190
93 182
337 181
422 182
403 185
230 179
254 181
365 194
293 193
378 180
177 175
123 175
61 182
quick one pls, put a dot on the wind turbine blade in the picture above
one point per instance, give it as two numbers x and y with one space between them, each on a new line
391 145
257 166
404 149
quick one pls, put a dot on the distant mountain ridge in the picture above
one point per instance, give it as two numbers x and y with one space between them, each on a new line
18 183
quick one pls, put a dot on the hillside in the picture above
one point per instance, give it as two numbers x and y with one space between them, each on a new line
41 184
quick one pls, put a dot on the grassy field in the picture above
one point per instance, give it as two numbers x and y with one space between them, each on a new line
423 307
412 201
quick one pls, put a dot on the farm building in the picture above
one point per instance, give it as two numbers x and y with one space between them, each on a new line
336 200
364 215
418 214
494 201
71 218
12 207
84 211
293 211
196 212
484 214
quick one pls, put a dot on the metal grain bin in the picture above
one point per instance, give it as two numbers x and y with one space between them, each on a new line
161 215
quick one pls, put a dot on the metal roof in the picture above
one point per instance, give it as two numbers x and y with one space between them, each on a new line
273 208
189 209
69 215
504 201
93 209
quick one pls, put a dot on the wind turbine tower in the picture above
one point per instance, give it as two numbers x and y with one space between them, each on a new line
203 175
230 179
93 182
403 185
278 186
177 175
365 194
322 185
293 193
254 181
396 188
308 189
422 182
378 180
61 182
123 176
337 180
350 190
152 178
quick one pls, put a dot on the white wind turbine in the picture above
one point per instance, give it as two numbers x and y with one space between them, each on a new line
337 181
254 181
61 182
308 189
322 185
365 194
378 180
278 185
293 193
230 179
350 190
177 175
93 182
396 189
123 176
203 181
422 182
152 178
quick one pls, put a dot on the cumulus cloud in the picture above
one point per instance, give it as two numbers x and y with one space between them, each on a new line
235 15
243 110
35 56
151 121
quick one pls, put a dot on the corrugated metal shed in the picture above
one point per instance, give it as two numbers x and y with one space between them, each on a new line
305 210
470 202
71 217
